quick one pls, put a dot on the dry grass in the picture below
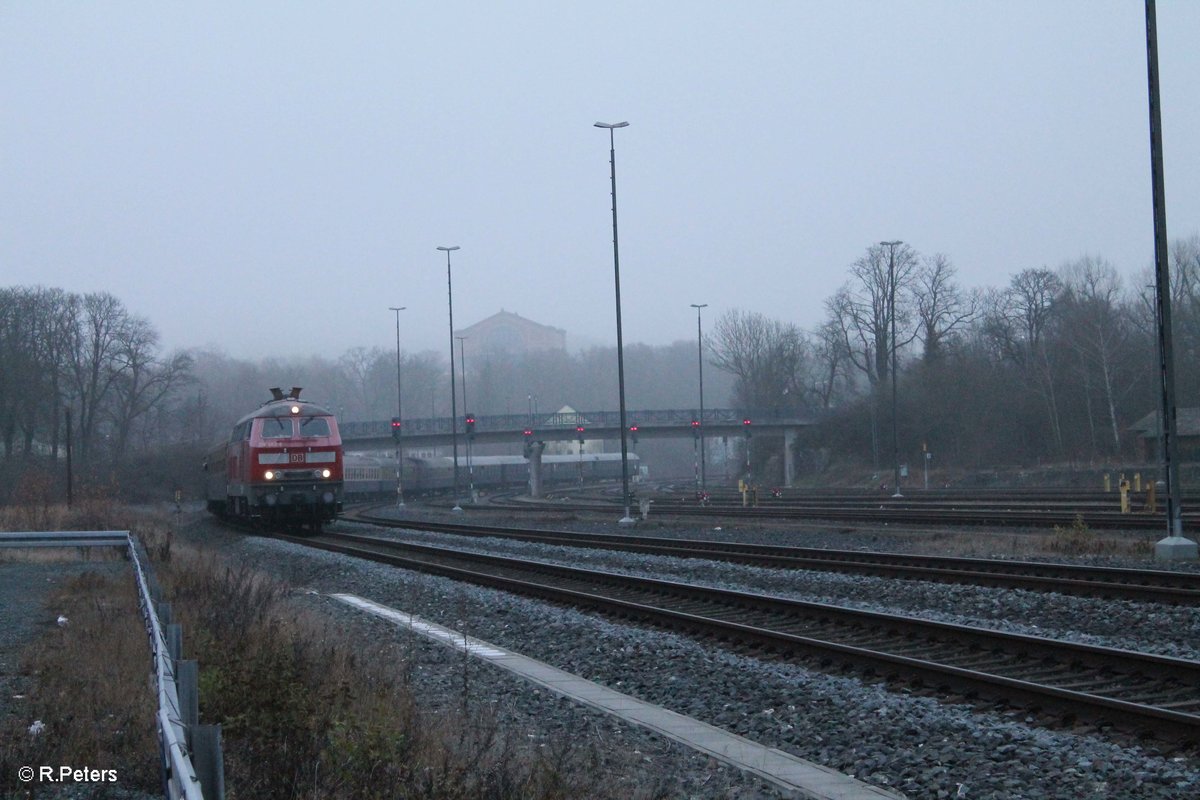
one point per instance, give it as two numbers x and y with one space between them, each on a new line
307 712
34 508
1078 539
89 689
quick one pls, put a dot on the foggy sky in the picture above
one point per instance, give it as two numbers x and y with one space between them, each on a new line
268 178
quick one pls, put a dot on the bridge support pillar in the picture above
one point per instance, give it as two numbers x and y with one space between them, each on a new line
535 468
789 456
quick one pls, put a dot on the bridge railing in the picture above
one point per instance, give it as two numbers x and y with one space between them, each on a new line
596 419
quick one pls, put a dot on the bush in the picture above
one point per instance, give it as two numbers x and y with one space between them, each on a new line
306 714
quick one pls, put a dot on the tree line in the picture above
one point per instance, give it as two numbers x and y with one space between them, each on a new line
1053 367
86 357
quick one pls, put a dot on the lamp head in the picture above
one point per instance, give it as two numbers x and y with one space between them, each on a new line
611 125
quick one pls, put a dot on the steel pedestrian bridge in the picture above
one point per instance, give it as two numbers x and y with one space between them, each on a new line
565 426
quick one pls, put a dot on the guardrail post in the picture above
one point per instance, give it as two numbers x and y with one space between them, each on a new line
174 633
187 681
208 760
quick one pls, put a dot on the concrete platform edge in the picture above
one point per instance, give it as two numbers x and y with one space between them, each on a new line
794 775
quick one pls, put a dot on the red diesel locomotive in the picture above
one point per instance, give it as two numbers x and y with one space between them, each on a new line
282 465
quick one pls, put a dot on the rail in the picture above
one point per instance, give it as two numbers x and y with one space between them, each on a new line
1147 694
1179 588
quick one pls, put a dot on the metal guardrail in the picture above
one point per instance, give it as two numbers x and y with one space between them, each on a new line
192 765
64 539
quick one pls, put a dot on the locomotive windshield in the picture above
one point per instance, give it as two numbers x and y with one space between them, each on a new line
313 426
277 428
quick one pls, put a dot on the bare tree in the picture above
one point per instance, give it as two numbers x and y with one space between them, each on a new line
98 338
1019 325
831 374
359 365
1098 329
59 321
942 307
769 358
140 381
880 287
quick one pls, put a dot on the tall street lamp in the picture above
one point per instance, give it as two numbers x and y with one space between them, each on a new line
1175 544
462 364
453 389
399 429
892 314
612 153
700 363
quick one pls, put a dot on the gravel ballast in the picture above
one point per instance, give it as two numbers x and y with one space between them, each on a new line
917 745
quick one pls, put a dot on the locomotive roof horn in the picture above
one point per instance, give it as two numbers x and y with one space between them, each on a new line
294 394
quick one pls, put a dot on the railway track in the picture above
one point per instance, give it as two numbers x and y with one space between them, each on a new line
1157 586
1061 681
1028 509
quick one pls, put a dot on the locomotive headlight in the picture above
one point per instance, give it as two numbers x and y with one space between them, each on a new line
325 473
269 475
295 409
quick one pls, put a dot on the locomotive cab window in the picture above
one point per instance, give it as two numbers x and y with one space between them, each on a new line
277 428
313 426
240 432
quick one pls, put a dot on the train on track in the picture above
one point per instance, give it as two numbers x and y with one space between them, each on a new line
368 477
282 466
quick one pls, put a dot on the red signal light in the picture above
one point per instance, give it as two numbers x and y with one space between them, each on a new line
746 421
633 428
695 423
528 432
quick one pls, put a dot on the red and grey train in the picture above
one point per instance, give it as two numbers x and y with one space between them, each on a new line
281 466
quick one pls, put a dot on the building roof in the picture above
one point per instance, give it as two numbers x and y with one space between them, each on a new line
511 332
1187 423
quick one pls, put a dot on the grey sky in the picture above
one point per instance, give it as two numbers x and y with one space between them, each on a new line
270 177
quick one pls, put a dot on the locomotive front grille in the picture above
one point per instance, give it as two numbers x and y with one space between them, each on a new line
294 474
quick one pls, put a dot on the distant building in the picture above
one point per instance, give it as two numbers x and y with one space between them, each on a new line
507 332
569 416
1187 434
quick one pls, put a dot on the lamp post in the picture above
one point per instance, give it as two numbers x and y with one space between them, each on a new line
453 389
399 415
612 153
462 364
700 364
892 314
1175 545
